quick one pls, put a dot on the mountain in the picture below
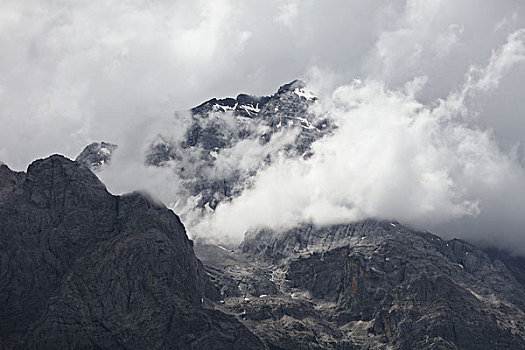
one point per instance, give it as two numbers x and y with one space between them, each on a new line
369 285
81 268
96 155
219 124
226 142
372 284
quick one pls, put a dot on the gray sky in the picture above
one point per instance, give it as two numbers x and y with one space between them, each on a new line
76 71
72 72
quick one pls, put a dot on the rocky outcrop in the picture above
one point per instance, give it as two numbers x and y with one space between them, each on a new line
81 268
96 155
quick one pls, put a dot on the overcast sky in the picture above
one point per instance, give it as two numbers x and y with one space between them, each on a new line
77 71
73 72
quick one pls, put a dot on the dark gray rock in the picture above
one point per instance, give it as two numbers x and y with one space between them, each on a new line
96 155
285 323
234 276
411 289
81 268
515 264
218 125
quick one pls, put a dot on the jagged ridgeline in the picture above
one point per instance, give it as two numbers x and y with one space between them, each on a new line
81 268
377 285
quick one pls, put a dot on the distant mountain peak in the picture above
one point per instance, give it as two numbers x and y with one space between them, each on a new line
218 125
96 155
291 86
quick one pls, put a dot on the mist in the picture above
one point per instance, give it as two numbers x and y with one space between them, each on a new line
394 157
427 97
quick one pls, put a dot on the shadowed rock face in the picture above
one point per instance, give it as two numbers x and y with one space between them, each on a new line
81 268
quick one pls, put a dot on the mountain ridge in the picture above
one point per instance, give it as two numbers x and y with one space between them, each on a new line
84 268
370 284
366 285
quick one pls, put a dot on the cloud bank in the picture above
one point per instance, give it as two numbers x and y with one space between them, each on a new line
74 72
394 157
428 97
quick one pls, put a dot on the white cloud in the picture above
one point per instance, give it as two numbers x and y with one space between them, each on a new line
446 41
75 72
501 61
423 31
391 157
287 12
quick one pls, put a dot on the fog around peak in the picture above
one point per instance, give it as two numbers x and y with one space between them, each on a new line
427 97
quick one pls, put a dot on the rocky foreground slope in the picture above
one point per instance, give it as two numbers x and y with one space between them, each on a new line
81 268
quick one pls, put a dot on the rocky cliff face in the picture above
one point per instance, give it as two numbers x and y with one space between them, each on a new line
370 285
219 124
81 268
220 132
